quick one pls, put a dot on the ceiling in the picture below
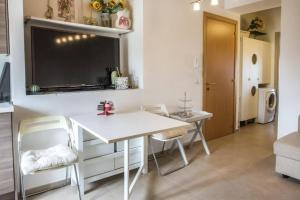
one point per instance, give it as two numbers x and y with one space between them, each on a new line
249 6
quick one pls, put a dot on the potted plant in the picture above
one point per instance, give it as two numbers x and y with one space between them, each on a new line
106 8
256 27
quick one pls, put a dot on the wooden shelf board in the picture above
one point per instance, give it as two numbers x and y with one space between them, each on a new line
77 25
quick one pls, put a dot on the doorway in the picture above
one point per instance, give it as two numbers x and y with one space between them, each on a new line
260 36
219 74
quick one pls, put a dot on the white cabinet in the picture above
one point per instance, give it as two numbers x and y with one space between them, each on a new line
255 65
98 166
96 150
101 160
134 158
132 144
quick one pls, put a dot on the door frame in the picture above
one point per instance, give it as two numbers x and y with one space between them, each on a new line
206 16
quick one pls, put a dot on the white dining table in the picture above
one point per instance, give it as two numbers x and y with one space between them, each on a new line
123 127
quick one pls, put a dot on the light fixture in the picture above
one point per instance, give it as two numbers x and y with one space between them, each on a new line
58 41
196 5
70 38
77 37
214 2
84 36
64 40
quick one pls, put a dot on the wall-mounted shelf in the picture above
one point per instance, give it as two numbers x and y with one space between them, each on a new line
77 26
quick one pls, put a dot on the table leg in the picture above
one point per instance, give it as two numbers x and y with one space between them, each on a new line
173 146
193 139
78 134
199 129
144 167
145 154
126 169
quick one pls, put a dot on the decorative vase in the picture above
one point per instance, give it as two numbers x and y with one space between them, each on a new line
121 83
121 19
105 20
114 76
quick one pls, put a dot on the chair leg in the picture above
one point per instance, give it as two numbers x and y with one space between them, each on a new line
22 186
77 180
182 152
173 147
67 173
155 160
163 148
171 171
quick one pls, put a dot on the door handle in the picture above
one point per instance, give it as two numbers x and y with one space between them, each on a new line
211 83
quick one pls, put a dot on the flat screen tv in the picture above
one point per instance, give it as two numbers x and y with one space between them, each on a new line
62 59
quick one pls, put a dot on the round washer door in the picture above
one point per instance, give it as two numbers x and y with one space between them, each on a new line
271 101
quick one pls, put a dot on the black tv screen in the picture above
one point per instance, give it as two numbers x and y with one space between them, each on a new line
68 59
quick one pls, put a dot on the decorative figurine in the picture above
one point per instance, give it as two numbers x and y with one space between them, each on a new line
34 88
66 9
106 107
186 110
49 11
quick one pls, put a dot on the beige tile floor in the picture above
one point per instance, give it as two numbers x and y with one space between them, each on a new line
241 167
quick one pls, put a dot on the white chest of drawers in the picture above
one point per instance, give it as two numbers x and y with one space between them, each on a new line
103 160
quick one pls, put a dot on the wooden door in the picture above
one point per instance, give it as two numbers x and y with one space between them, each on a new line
3 27
219 74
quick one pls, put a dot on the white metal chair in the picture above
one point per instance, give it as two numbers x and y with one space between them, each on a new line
167 136
38 161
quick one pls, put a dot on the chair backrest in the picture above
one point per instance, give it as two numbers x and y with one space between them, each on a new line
36 125
159 109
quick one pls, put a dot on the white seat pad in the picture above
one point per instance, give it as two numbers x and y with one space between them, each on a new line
166 135
54 157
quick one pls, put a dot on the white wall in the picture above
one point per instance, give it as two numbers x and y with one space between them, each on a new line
172 40
161 53
289 70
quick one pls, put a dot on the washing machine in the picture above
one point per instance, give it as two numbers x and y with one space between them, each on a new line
267 102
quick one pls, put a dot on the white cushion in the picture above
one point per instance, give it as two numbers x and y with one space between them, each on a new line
38 160
288 146
166 135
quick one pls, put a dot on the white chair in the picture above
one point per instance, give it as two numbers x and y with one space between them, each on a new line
38 161
167 136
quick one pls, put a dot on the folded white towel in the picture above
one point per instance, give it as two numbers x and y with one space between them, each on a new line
38 160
